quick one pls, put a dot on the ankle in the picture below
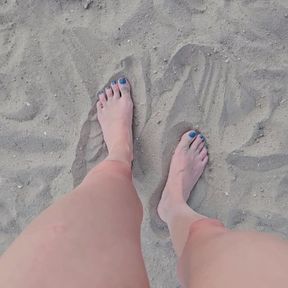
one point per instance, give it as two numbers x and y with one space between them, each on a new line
121 157
175 209
121 151
171 199
182 211
168 205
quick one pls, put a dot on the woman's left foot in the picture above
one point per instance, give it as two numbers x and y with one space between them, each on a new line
115 112
187 165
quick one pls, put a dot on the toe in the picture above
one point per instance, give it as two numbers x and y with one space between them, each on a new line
201 146
115 88
99 106
203 153
124 87
102 98
196 143
187 139
205 160
109 92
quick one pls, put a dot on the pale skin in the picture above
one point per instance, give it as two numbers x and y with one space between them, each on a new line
115 117
91 236
187 165
209 255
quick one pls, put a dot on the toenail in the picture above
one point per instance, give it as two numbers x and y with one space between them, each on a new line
192 134
202 137
113 82
122 81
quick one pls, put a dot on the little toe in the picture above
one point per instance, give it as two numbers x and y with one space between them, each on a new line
196 143
109 92
187 139
102 98
124 87
99 106
205 160
115 88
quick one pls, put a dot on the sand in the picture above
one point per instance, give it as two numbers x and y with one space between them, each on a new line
214 65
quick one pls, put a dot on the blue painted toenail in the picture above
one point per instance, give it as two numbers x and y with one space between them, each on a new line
192 134
113 82
122 81
202 137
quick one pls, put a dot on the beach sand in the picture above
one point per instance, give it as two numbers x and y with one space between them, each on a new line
219 66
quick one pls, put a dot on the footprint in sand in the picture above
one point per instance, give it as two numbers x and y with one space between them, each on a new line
199 89
91 148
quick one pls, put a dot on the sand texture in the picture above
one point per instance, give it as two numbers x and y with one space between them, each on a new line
219 66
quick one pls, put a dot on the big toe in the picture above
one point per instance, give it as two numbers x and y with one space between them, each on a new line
187 139
124 87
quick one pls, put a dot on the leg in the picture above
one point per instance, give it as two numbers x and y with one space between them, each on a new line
210 255
187 166
91 237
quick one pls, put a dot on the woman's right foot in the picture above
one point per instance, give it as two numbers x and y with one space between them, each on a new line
187 165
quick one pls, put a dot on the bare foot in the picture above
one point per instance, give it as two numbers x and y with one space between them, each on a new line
115 111
187 165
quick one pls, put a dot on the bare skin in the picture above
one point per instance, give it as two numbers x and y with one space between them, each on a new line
91 236
188 163
115 111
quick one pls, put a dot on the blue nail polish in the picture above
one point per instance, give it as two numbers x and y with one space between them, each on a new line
113 82
202 137
192 134
122 81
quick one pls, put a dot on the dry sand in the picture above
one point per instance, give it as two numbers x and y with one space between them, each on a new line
219 66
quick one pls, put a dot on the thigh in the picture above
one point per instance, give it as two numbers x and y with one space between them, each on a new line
217 258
